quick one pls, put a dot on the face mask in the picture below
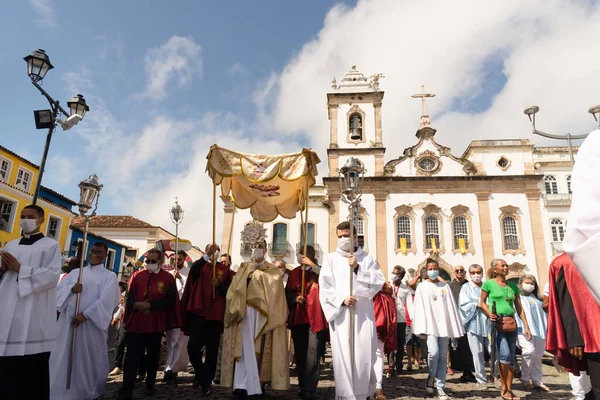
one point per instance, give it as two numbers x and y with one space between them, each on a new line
258 253
28 225
299 258
433 274
528 288
152 267
395 277
344 244
477 278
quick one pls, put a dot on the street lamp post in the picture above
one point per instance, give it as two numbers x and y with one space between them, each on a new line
350 177
89 190
176 213
531 111
38 64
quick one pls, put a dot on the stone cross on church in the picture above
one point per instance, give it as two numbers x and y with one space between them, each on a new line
425 122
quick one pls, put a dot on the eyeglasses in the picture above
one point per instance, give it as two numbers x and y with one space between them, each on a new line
151 261
459 270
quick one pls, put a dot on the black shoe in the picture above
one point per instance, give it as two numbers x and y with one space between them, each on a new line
125 395
195 384
169 376
140 378
150 391
240 394
205 392
468 378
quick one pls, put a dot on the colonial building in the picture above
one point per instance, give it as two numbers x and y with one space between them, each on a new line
18 179
498 199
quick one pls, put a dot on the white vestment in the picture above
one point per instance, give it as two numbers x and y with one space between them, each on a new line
176 359
99 297
582 240
351 381
28 299
435 311
246 374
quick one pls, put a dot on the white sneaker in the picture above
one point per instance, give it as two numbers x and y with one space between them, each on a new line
482 386
442 395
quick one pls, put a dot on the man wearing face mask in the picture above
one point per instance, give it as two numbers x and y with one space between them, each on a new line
29 271
358 380
306 322
203 315
461 358
152 308
400 293
255 339
99 297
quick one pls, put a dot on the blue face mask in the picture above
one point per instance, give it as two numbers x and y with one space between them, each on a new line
433 274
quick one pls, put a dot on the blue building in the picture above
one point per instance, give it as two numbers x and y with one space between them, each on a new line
116 250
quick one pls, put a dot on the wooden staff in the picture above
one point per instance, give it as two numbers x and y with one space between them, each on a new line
305 229
214 233
231 230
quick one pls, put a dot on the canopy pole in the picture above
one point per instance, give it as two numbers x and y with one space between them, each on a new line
231 230
305 228
351 252
214 233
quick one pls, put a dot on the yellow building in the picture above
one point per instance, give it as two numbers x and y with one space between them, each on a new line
18 178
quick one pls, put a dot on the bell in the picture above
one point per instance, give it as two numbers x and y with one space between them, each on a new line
355 135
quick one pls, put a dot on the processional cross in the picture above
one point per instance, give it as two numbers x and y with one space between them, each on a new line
425 122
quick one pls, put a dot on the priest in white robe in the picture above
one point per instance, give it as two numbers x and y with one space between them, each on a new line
100 295
582 240
436 316
29 271
352 381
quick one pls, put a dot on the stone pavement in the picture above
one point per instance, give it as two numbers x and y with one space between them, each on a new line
410 385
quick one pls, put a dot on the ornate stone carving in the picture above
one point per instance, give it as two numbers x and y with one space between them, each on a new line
427 154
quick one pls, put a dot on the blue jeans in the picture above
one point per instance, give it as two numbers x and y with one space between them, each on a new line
477 344
506 342
437 359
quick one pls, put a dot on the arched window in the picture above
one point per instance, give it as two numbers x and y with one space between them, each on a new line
569 184
461 231
403 231
558 229
432 232
359 224
511 234
310 235
356 127
550 184
279 244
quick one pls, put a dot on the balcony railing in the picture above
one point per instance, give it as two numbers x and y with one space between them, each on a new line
280 249
557 248
300 248
558 199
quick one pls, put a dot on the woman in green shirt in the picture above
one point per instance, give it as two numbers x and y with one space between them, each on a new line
505 295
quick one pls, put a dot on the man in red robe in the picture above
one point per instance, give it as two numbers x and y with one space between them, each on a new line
203 315
306 322
573 334
384 307
152 308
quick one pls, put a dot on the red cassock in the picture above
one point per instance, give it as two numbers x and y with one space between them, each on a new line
384 306
147 286
587 312
197 295
309 312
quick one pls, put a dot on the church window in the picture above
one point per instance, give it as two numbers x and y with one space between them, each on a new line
550 184
404 222
432 232
461 231
403 231
503 163
279 246
569 184
427 164
511 235
310 235
558 229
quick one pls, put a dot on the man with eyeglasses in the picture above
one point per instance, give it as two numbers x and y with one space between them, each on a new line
99 295
461 358
152 308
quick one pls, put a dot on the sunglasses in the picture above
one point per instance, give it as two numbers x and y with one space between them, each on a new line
459 270
151 261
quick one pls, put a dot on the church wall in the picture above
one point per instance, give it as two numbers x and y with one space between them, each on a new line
490 156
367 160
368 125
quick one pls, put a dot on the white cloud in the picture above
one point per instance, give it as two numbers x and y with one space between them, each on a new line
63 169
46 15
545 50
178 59
238 69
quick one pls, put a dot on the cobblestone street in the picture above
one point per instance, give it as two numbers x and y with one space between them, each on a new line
410 385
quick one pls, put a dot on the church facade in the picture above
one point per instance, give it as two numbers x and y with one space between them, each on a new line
498 199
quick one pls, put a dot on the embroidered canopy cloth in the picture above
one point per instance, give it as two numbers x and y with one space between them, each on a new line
268 185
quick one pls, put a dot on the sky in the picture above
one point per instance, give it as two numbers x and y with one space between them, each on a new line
166 80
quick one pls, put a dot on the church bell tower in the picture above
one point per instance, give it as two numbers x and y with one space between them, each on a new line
354 107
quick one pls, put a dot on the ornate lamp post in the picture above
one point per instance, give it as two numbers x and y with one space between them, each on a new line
176 213
38 64
350 178
89 190
531 111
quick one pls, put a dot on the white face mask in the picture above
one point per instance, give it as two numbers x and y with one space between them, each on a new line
395 277
528 288
258 253
477 278
299 258
28 225
344 244
152 267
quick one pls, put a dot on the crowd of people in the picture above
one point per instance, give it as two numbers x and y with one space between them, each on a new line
242 327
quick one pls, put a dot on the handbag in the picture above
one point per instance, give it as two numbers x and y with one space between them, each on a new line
506 324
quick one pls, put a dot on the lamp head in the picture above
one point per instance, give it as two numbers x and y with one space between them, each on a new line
176 212
78 106
88 190
38 64
350 173
595 110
